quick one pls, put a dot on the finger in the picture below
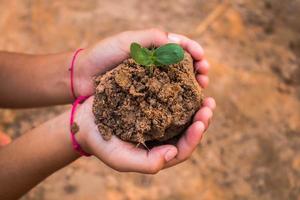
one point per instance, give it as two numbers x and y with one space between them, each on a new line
117 48
187 143
203 80
150 162
146 38
126 157
202 67
203 115
209 102
189 45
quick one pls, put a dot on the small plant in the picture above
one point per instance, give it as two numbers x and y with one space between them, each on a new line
156 57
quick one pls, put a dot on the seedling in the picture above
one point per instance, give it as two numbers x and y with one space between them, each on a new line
156 57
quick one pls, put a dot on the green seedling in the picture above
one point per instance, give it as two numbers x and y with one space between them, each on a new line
156 57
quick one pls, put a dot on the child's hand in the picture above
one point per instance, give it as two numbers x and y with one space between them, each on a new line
126 157
110 52
120 155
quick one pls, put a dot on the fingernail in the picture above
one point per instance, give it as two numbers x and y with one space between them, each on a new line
170 155
173 38
201 126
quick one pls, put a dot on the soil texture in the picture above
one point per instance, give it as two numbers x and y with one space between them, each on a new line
138 106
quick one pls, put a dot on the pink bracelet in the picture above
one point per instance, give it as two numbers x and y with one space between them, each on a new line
79 100
75 144
71 69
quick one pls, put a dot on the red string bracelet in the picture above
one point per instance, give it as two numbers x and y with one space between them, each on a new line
75 144
71 69
79 100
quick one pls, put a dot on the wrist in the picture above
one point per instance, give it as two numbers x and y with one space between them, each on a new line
82 79
59 129
85 123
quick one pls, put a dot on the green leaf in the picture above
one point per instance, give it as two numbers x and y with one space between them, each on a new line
168 54
141 55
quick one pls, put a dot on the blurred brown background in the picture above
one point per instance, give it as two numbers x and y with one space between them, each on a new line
252 149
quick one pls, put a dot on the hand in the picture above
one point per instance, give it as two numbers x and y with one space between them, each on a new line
120 155
126 157
110 52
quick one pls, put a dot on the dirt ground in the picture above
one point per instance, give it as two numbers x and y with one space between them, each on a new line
251 150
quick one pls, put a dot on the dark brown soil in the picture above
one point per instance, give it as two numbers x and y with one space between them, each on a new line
137 106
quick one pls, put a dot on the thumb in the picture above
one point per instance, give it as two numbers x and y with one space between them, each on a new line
146 38
140 160
156 158
113 50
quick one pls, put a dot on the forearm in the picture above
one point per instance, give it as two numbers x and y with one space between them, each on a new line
34 156
34 80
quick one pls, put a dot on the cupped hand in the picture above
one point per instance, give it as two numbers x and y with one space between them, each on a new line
111 51
124 156
127 157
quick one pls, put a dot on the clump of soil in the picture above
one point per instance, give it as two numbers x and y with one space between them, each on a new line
138 106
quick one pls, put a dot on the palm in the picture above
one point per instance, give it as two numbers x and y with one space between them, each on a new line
124 156
97 60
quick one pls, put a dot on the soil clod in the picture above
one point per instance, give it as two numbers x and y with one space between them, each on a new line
137 106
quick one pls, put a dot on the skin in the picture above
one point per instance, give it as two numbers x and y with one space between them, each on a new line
4 139
44 80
